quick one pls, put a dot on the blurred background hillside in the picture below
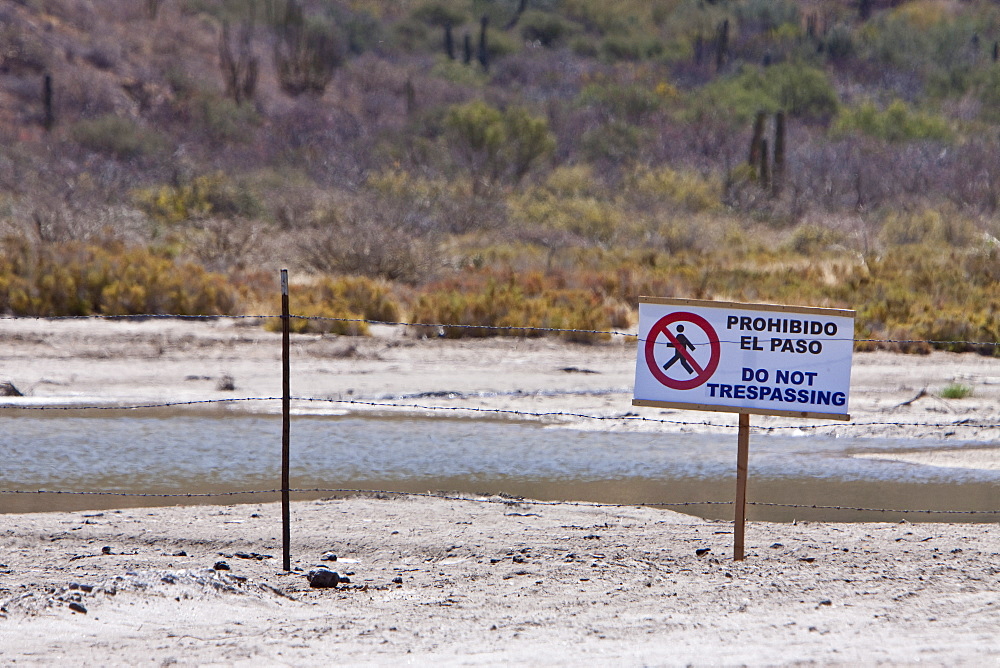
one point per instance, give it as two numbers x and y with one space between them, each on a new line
504 162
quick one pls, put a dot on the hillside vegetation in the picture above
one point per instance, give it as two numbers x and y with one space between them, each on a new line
504 162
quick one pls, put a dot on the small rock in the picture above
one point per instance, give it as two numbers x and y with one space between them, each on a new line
76 607
221 566
777 545
7 389
323 578
225 384
180 553
106 549
328 556
702 551
826 601
397 580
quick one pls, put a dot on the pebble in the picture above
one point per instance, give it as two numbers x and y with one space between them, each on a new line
328 556
76 607
323 578
221 566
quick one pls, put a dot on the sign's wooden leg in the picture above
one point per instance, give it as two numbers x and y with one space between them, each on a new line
742 459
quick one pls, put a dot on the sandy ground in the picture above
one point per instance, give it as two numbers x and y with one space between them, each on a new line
489 581
466 583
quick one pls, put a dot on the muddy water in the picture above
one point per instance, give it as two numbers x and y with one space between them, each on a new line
194 453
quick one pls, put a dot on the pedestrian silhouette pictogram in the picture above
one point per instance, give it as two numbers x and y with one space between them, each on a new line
682 342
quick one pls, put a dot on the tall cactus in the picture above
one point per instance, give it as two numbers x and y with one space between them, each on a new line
484 52
238 62
49 120
449 42
763 173
778 175
721 44
756 141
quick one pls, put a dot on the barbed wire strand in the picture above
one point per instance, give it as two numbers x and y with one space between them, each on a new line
963 423
453 326
503 499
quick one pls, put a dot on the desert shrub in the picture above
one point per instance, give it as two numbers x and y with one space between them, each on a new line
222 244
765 15
689 190
616 47
209 194
956 391
306 51
441 13
497 145
73 278
799 89
589 218
897 123
930 227
119 136
338 305
480 306
546 28
809 239
632 102
574 181
988 90
838 43
222 119
600 16
616 142
372 237
23 51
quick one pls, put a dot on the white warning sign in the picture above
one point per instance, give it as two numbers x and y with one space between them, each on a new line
750 358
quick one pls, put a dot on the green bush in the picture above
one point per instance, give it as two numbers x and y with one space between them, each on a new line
210 194
767 14
616 47
956 391
497 145
799 89
929 227
546 28
117 135
632 102
440 13
897 123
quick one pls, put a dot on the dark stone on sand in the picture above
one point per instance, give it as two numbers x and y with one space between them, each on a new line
701 552
180 553
397 580
323 578
106 549
221 566
76 607
328 556
7 389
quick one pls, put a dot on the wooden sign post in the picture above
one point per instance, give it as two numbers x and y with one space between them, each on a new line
751 359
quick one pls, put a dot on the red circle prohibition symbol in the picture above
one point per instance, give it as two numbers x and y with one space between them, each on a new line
701 374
